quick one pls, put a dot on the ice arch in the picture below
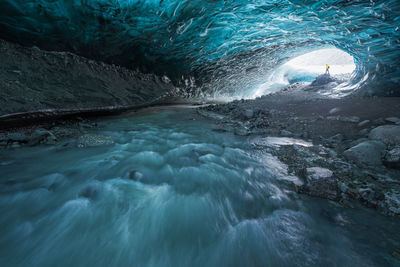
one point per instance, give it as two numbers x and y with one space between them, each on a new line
306 68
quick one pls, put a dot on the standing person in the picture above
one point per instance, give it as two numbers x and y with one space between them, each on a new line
327 69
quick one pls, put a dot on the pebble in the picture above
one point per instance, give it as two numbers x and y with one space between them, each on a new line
363 123
393 120
334 110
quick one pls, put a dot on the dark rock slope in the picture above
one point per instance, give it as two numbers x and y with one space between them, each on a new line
32 79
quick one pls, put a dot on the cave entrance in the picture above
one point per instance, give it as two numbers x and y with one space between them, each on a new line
307 67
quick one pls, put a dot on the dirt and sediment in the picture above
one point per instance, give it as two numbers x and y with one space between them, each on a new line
343 149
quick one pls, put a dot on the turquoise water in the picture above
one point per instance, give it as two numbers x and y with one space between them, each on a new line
197 198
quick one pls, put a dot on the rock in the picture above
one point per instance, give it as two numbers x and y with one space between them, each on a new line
323 79
135 175
396 254
364 132
379 121
241 131
42 136
91 191
92 140
388 134
393 120
260 122
368 152
334 110
343 118
358 141
363 123
248 113
370 197
349 118
286 133
336 138
16 136
15 145
320 182
392 158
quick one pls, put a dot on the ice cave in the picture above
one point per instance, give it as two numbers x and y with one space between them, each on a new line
199 133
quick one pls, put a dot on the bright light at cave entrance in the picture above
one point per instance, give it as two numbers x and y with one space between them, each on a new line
339 61
306 68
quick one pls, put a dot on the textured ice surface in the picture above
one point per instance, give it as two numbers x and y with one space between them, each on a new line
172 192
225 45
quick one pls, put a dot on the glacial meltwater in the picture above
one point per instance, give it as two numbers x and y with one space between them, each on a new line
172 192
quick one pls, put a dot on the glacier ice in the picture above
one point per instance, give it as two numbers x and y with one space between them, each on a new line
224 45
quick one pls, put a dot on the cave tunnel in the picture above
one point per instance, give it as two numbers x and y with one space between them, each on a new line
199 133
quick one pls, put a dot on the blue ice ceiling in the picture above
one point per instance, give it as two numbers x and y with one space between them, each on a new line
224 44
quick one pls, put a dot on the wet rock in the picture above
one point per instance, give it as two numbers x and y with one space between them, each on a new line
392 158
396 254
320 182
388 134
93 140
370 197
260 122
364 132
135 175
358 141
15 145
392 201
323 79
17 137
354 119
62 132
363 123
368 152
344 118
91 191
286 133
241 131
42 136
393 120
378 121
334 110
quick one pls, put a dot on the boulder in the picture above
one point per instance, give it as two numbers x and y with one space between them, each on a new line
320 182
92 140
388 134
392 158
368 152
